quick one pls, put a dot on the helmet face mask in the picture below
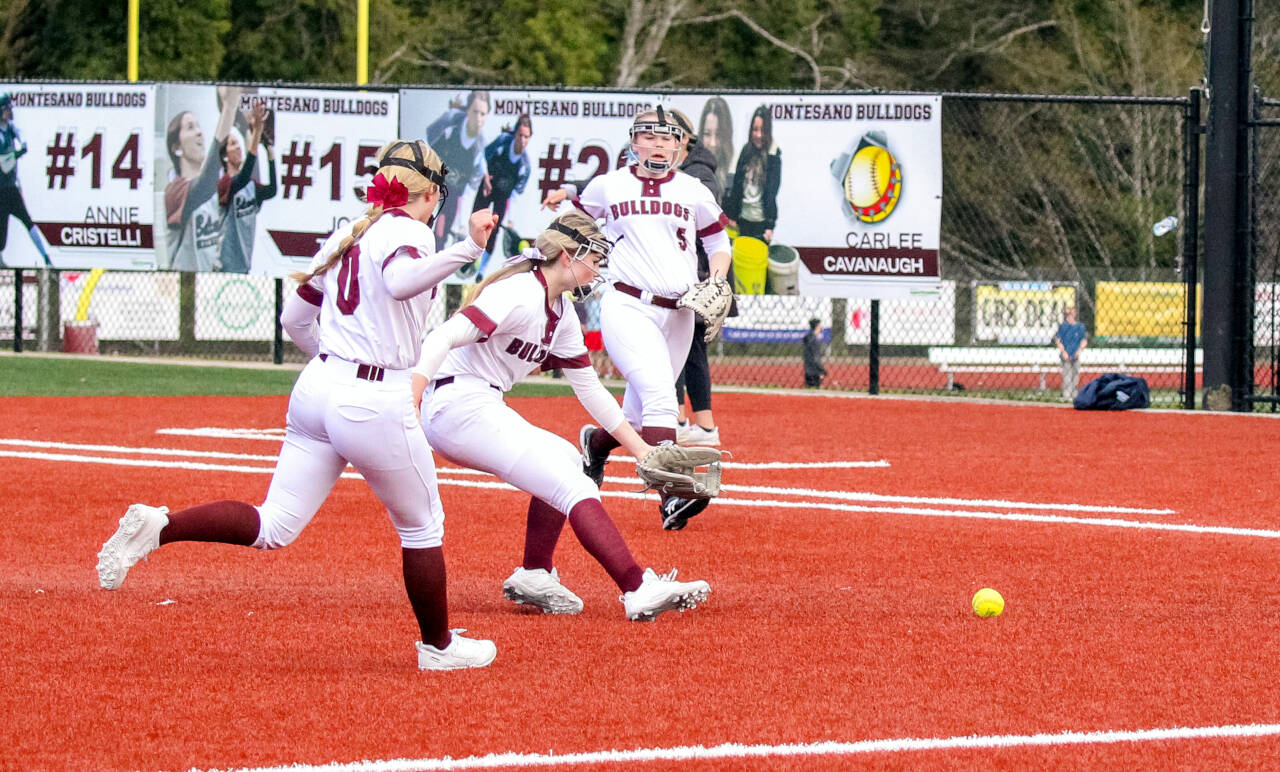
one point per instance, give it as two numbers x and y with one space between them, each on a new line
662 135
586 246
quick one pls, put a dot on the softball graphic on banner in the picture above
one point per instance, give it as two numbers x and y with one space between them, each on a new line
871 178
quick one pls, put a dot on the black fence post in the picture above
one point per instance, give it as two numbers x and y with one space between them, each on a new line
873 354
1191 131
17 310
277 345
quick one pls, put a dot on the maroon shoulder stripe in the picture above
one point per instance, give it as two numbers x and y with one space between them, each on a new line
310 294
482 322
714 227
406 251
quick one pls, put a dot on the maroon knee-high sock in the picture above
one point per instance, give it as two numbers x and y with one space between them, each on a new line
226 522
541 532
656 434
602 442
424 580
600 537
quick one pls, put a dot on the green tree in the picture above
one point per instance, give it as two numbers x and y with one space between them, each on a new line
181 40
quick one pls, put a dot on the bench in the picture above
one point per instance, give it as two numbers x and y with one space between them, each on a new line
1042 360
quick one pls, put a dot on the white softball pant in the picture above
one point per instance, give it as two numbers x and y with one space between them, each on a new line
467 422
649 345
334 418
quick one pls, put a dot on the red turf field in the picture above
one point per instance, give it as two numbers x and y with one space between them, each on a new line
834 618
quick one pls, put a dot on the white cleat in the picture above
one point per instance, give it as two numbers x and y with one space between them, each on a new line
138 534
699 436
459 654
657 594
541 588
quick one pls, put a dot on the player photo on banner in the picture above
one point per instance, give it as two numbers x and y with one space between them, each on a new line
255 179
832 196
75 166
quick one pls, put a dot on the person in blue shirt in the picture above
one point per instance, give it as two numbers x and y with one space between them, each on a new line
508 172
12 147
1070 339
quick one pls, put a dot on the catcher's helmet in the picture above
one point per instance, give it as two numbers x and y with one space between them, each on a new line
6 101
658 123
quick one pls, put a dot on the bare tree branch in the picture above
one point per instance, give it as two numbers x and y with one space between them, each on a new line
648 22
764 33
426 59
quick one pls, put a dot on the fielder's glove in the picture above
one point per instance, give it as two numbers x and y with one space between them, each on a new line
671 470
710 300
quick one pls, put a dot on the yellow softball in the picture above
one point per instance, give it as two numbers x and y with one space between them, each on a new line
988 603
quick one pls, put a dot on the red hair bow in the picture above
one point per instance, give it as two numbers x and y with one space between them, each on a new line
387 194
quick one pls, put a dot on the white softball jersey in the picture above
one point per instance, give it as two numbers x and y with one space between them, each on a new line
520 332
653 224
360 321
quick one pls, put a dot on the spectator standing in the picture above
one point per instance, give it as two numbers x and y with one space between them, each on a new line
752 202
813 369
1070 339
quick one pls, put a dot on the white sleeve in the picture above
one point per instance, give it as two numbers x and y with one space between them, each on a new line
411 277
592 199
717 242
457 331
595 397
300 319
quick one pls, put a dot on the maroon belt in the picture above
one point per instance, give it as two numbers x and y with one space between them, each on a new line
448 379
363 372
636 292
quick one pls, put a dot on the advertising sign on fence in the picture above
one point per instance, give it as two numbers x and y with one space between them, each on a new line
845 192
75 171
266 215
927 321
1013 312
1143 312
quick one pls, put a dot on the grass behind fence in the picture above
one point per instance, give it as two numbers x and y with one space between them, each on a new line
33 375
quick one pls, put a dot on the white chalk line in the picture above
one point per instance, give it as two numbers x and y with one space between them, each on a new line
723 501
827 748
276 435
452 470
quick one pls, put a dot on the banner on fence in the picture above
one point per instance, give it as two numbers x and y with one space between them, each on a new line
230 209
846 189
775 318
929 321
1142 312
1012 312
75 166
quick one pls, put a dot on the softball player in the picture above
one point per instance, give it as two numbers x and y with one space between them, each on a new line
520 319
370 285
653 213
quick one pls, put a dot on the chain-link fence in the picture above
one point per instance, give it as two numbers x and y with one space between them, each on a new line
1049 204
1265 153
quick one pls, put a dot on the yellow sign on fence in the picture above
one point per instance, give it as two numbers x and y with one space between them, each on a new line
1142 312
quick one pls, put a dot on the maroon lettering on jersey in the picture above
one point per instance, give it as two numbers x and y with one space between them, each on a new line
528 352
669 208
